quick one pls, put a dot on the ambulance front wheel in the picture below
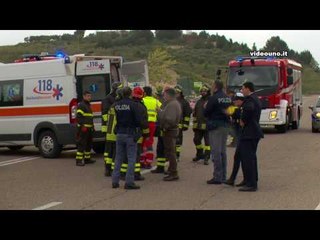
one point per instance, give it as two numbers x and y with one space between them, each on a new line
48 145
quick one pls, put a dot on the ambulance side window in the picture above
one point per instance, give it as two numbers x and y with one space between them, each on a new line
11 93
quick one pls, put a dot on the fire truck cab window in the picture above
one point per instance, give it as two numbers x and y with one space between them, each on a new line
259 75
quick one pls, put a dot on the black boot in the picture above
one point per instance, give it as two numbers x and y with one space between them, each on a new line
138 177
229 182
89 161
206 160
80 163
171 177
108 171
159 169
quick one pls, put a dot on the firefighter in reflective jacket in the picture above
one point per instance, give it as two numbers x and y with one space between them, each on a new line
137 96
153 106
85 130
185 120
200 128
108 127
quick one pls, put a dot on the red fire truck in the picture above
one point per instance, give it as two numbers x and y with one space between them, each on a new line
278 85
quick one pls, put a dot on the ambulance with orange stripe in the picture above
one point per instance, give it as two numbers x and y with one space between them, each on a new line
39 95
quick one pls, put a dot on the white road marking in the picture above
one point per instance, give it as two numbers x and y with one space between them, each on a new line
318 207
18 160
49 205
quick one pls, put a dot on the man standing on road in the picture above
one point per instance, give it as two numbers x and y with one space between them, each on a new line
250 137
200 127
128 121
169 119
85 130
218 122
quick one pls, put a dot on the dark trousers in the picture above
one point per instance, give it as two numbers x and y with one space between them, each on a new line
202 150
84 144
179 141
161 159
110 154
236 164
137 165
169 140
249 164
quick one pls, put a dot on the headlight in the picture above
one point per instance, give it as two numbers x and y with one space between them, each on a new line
318 115
273 115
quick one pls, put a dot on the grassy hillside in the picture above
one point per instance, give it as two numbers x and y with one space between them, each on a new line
197 59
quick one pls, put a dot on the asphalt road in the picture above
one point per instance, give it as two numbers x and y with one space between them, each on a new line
288 179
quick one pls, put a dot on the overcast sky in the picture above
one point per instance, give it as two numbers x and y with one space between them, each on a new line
297 40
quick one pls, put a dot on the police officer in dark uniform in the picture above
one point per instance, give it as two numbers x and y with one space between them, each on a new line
185 119
250 137
128 121
110 144
218 126
200 127
85 129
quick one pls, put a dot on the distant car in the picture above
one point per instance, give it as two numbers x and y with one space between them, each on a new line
315 116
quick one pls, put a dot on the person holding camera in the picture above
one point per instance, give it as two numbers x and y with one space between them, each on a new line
128 121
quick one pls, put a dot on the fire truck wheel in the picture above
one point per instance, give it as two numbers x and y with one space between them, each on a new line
15 148
48 145
98 147
283 128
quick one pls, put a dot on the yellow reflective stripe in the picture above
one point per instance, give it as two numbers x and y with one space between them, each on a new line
178 148
111 137
124 165
161 164
80 153
106 154
206 148
199 146
84 114
186 125
105 117
187 119
203 126
79 157
123 170
80 111
108 160
137 169
180 125
161 159
137 165
88 125
104 129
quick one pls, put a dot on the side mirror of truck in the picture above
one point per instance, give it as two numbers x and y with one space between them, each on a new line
289 80
311 107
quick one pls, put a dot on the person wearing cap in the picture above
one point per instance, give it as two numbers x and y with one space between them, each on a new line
238 100
185 118
143 132
109 149
85 129
200 127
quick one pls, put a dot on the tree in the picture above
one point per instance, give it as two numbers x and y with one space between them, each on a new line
254 47
159 63
306 57
79 34
168 34
275 44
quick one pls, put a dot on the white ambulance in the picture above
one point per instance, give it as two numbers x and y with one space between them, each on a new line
39 95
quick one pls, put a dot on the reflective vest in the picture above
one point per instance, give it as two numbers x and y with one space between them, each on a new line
231 109
152 104
111 124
